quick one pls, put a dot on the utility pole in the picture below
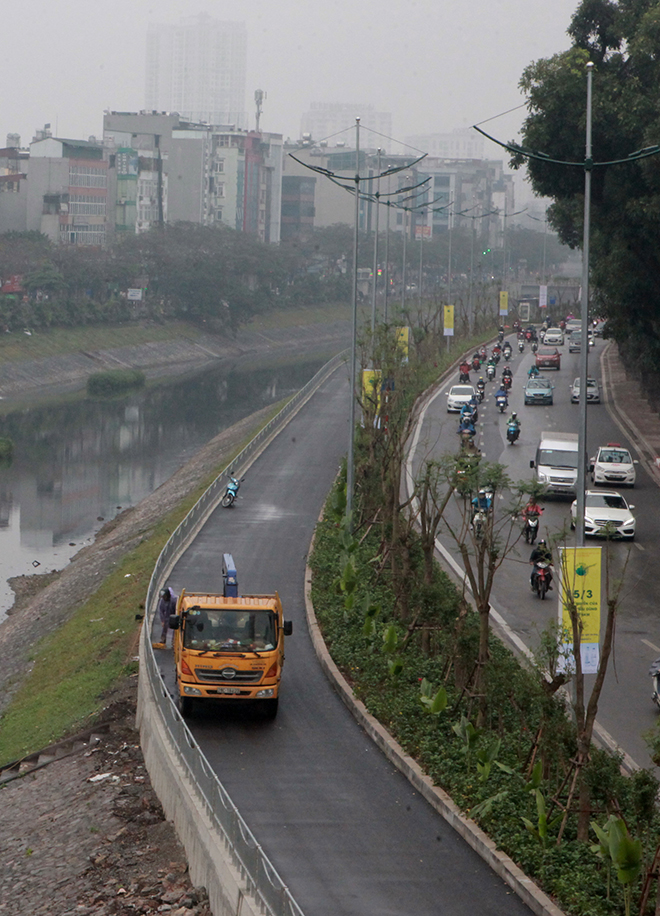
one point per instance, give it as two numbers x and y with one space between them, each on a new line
375 270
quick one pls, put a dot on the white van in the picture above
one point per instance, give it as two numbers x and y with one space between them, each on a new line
556 462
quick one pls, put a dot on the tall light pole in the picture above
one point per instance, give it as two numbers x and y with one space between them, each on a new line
451 223
375 270
584 317
387 258
403 283
350 479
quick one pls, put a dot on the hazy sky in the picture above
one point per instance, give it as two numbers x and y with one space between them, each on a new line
435 66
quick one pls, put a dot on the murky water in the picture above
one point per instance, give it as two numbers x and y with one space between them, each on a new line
76 465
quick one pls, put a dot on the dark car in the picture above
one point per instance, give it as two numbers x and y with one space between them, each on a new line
548 358
538 391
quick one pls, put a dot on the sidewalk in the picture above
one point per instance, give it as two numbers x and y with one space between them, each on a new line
631 410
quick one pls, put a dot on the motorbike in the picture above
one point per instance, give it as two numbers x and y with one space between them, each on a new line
521 346
506 353
535 347
490 372
464 378
496 356
654 672
506 382
531 528
500 336
230 495
512 433
502 402
479 522
476 363
541 578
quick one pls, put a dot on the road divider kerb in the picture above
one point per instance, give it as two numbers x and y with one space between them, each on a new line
502 864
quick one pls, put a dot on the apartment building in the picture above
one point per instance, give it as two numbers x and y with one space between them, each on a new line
166 169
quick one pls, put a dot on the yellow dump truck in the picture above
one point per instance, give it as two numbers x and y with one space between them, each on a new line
229 648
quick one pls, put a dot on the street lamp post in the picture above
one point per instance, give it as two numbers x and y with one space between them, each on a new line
353 379
584 317
375 270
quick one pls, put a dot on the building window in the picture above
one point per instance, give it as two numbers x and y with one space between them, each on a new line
219 165
86 176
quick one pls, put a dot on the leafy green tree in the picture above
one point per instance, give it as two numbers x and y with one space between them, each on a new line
623 41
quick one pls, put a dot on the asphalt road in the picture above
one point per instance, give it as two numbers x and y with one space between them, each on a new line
626 710
346 831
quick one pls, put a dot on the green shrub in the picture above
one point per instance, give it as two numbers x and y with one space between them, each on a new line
522 720
117 381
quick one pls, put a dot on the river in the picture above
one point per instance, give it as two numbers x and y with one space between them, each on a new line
78 463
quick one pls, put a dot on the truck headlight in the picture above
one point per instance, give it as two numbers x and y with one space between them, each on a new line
266 692
192 691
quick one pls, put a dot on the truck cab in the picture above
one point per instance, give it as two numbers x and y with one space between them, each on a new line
229 648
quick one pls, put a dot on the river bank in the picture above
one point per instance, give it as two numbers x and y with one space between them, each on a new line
191 348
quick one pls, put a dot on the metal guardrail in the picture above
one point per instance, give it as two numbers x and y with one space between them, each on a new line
254 866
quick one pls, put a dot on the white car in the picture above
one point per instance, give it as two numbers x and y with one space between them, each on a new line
554 336
593 391
613 465
457 396
606 513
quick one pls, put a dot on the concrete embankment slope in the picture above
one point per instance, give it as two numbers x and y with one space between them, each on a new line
66 373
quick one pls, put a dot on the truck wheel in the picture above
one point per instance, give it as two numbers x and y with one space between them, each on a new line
269 708
185 706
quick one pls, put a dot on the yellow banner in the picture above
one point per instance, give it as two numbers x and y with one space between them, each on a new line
581 583
504 303
371 388
402 340
449 321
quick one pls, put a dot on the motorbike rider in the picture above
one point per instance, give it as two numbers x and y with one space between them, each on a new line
476 362
514 421
466 427
464 370
506 349
541 554
481 502
507 373
481 385
532 509
533 372
502 393
467 411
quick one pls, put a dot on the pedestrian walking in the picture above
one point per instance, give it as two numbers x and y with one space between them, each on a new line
166 607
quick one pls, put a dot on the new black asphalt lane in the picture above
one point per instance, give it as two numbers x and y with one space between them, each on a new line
346 831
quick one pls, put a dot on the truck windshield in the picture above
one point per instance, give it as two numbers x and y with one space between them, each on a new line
214 629
554 458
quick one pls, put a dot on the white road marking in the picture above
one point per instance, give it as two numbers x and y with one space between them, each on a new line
638 546
650 645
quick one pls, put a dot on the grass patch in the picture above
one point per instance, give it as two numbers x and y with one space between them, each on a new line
76 666
300 317
18 347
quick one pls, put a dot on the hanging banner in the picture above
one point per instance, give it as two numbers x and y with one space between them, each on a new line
504 304
580 574
371 387
402 340
449 321
543 297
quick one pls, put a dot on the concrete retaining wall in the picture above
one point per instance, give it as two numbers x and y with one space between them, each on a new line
209 858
